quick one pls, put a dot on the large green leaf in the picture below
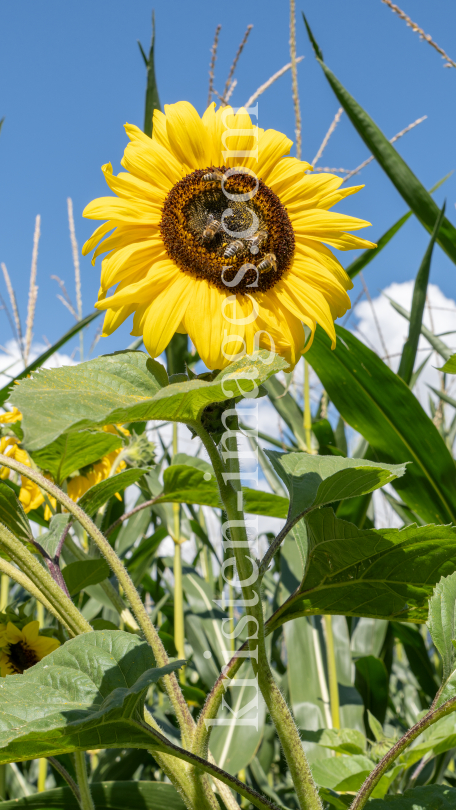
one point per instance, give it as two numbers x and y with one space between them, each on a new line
316 480
73 451
378 404
87 694
407 184
6 390
126 387
384 573
97 495
430 797
12 514
50 540
187 484
450 365
106 796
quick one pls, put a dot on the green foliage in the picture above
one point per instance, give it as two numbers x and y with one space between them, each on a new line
396 426
314 481
442 626
107 796
125 387
431 797
97 495
383 573
73 451
80 575
12 514
450 365
89 692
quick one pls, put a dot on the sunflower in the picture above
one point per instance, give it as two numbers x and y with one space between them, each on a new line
21 649
228 249
30 495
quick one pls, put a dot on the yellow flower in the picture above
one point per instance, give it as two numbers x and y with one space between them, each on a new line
79 484
10 416
232 258
30 494
21 649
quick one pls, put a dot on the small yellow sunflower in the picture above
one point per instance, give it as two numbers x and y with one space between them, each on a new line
226 248
21 649
99 471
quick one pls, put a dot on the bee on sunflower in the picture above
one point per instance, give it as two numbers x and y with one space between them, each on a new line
229 249
22 647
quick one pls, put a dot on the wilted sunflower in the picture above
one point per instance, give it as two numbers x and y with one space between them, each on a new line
185 226
21 649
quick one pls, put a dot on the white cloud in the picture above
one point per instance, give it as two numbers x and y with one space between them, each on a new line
439 317
11 362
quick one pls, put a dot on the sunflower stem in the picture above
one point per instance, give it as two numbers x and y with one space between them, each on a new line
228 479
46 590
332 673
83 781
170 682
179 633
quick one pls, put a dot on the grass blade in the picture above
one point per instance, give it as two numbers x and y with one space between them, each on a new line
437 344
152 99
402 177
418 302
6 390
368 255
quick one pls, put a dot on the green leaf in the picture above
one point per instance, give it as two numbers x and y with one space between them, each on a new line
152 99
287 407
343 772
316 480
106 796
97 495
188 484
430 797
402 177
378 404
80 575
368 255
383 573
450 365
87 694
418 657
372 684
73 451
126 387
442 627
12 514
50 540
6 390
341 740
410 348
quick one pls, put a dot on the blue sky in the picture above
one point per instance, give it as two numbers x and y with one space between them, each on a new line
71 75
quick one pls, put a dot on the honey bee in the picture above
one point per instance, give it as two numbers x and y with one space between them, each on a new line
257 241
216 175
269 263
234 248
212 228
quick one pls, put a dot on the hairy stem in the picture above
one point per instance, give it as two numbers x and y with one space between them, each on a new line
44 583
170 682
83 782
231 493
25 582
66 776
372 780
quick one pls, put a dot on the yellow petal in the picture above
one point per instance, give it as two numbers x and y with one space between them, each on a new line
187 136
131 259
101 231
122 210
13 633
165 314
160 274
30 632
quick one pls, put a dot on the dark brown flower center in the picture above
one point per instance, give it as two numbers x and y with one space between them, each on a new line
21 657
228 228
